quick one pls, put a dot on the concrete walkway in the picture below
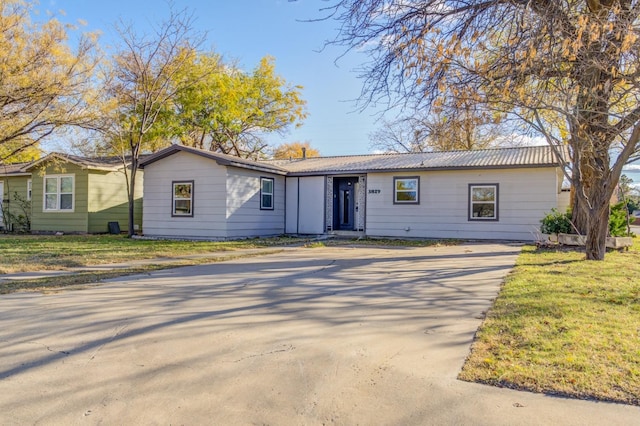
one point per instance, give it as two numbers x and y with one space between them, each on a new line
345 336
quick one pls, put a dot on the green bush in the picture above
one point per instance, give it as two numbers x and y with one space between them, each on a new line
560 223
556 223
618 220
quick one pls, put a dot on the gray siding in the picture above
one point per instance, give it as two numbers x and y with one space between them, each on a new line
209 193
244 217
311 205
291 208
525 195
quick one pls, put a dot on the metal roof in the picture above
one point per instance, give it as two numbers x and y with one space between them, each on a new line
94 163
15 169
535 156
222 159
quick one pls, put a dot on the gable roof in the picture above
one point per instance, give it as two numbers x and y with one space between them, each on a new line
15 169
497 158
94 163
222 159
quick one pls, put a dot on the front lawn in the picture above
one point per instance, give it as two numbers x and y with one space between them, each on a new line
562 325
23 253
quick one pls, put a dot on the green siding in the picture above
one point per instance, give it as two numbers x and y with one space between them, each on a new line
73 221
14 185
108 200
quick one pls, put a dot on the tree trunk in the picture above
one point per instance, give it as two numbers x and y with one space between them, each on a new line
579 215
597 231
130 231
132 192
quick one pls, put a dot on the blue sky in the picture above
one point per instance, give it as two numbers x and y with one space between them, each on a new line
247 30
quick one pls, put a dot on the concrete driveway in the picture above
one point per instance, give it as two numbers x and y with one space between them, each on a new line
347 336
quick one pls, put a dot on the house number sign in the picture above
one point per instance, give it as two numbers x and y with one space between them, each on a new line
374 191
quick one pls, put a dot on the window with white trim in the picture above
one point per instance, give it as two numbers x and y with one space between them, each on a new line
182 199
406 190
29 189
483 201
59 193
266 193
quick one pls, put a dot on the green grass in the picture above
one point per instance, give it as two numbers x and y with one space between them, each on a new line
26 253
566 326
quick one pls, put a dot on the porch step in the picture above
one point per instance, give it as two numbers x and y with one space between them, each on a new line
347 234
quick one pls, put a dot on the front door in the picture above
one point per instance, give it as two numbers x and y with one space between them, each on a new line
344 203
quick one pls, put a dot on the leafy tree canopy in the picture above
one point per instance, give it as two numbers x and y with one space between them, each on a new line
230 111
295 150
44 84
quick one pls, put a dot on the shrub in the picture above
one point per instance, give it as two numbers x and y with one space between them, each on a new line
556 223
619 220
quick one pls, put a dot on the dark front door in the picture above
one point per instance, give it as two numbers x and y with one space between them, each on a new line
344 203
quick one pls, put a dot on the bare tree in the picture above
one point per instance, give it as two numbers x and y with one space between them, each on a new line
564 64
461 127
140 91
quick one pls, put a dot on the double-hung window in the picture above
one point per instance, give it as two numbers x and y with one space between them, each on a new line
59 193
483 202
182 199
29 189
266 193
406 190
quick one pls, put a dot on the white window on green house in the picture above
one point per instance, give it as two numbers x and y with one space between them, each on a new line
266 193
59 193
182 199
29 186
483 202
406 190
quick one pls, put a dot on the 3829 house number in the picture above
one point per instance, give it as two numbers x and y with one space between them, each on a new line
374 191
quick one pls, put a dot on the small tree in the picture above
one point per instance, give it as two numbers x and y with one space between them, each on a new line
295 150
140 89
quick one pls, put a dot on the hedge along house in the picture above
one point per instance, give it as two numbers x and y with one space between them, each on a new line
485 194
80 195
15 197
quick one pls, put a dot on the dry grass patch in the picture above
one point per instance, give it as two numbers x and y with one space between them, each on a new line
83 279
26 253
565 326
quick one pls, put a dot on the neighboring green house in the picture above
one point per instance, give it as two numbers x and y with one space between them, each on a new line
15 197
74 194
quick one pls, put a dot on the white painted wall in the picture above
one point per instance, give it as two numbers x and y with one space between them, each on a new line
209 193
243 214
309 202
291 208
525 195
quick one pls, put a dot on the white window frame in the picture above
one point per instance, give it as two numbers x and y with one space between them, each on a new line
263 193
472 202
29 189
59 193
174 211
397 191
